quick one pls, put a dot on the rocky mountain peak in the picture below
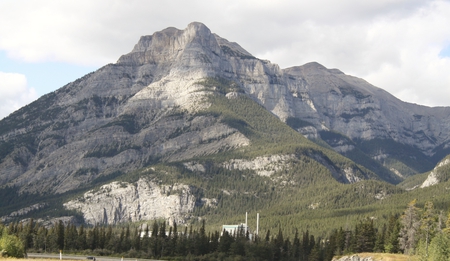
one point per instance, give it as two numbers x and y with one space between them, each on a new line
172 45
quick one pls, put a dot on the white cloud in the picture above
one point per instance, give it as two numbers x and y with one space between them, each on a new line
394 44
14 93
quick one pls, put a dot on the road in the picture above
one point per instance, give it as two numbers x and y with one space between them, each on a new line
75 257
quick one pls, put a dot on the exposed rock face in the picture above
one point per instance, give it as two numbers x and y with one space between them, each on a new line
354 258
264 166
144 109
120 202
22 212
359 110
434 176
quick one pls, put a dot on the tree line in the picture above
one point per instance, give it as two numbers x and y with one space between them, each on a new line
424 232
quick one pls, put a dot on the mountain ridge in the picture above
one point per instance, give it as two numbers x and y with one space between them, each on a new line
190 96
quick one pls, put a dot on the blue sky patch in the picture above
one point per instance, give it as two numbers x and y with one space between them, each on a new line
445 52
44 77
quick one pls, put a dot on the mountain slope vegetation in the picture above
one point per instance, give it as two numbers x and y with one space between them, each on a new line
190 115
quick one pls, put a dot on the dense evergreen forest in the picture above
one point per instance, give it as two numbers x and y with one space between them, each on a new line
424 232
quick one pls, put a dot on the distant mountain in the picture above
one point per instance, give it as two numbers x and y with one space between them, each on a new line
188 119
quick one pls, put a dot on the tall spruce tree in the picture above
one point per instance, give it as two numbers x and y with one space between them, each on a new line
428 224
366 236
391 242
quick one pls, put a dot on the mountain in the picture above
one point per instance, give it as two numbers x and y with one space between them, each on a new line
188 122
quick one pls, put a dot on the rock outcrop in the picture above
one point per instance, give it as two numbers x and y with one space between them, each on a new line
353 258
121 202
436 174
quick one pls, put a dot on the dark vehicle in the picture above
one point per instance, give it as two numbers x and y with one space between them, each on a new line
91 258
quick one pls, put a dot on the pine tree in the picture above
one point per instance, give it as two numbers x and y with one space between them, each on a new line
365 236
392 244
202 240
41 239
60 235
174 239
81 238
439 249
120 242
71 237
446 230
379 242
331 246
126 243
110 239
267 238
296 246
428 224
29 232
102 238
340 241
225 242
136 242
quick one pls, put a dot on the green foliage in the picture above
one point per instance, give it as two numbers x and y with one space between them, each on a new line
443 172
220 85
297 123
412 160
110 150
350 90
439 249
127 121
227 50
413 181
10 245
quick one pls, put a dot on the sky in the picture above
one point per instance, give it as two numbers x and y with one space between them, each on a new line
402 46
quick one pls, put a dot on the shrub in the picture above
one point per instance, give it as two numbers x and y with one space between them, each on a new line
11 246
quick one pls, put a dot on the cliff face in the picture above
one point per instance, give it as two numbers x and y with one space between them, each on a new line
121 202
148 108
361 111
439 174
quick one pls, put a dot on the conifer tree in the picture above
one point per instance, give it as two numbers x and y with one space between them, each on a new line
305 245
174 238
225 242
60 235
71 237
267 238
126 243
428 224
40 239
136 242
392 235
380 240
120 242
81 238
296 246
365 236
202 240
102 238
340 241
110 238
439 249
90 239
